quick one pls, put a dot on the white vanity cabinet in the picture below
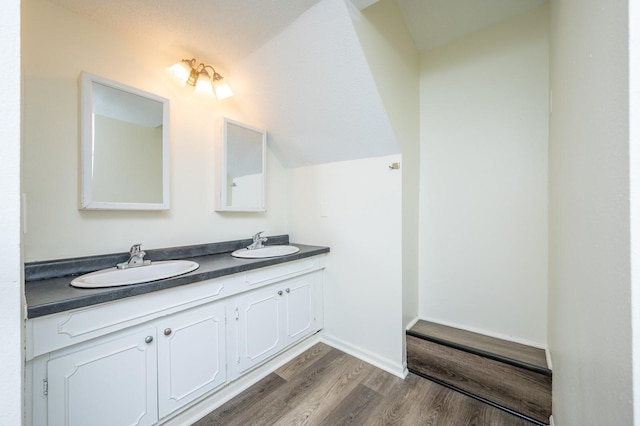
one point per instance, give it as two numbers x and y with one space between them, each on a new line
134 378
141 360
191 355
111 381
272 318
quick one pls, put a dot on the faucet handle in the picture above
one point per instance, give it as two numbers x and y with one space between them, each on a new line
135 249
257 236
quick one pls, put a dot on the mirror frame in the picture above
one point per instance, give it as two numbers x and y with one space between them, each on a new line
222 184
87 201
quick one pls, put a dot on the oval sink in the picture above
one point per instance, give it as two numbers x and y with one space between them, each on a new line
114 277
266 251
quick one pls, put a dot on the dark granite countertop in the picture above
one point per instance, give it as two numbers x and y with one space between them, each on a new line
48 293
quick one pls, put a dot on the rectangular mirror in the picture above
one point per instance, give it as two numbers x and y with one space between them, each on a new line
242 164
124 147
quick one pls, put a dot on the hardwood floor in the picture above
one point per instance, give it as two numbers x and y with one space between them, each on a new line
510 375
515 388
324 386
438 332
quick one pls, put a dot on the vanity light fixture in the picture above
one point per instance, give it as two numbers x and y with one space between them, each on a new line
187 72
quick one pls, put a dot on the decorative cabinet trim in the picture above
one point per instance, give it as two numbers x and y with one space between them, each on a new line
277 273
271 319
88 320
171 323
52 332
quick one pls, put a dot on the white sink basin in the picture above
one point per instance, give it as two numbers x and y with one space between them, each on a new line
266 251
114 277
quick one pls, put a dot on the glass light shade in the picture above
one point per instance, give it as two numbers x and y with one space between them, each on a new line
203 85
180 72
222 89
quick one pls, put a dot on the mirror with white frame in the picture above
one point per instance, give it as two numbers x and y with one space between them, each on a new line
124 147
242 163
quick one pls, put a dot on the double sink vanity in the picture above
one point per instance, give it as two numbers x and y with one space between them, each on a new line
139 353
135 339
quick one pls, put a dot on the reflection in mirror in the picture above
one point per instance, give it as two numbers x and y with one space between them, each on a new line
125 145
242 165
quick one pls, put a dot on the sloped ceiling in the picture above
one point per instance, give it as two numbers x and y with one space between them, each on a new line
434 23
296 65
215 31
315 92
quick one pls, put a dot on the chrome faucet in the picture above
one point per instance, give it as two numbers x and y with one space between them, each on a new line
136 258
257 241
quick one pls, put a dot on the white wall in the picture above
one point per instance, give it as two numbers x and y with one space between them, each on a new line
395 65
589 269
483 206
366 212
11 288
354 207
634 154
57 45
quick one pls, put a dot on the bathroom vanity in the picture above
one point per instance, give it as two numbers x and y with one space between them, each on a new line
140 354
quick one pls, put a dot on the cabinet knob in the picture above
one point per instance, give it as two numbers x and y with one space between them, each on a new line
167 331
288 291
148 339
279 292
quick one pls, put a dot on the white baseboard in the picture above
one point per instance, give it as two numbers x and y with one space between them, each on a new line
233 389
364 355
412 323
405 370
547 352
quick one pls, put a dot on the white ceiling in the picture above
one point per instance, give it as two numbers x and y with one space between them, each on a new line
305 77
434 23
222 32
314 91
219 32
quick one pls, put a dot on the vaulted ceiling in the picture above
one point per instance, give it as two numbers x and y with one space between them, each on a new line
299 67
218 31
434 23
225 31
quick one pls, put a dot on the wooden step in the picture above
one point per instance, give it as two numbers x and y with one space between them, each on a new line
507 375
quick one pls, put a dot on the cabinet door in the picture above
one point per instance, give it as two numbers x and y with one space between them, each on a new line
109 383
260 326
191 355
299 307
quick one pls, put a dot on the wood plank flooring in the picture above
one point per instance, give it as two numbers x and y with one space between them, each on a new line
523 353
324 386
514 388
509 375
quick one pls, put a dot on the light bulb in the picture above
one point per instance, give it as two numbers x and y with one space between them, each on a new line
203 84
222 89
180 72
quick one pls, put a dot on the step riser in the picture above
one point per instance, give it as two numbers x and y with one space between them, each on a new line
514 388
483 353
